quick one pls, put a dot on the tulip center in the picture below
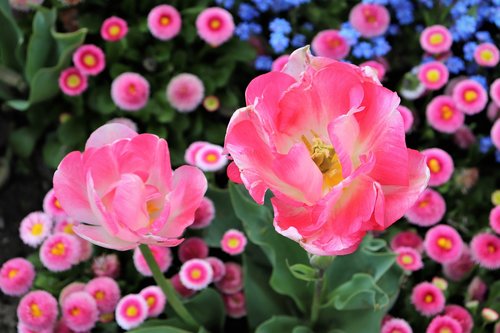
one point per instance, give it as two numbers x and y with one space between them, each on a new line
151 300
35 310
434 165
407 259
13 273
436 38
487 55
444 243
73 81
37 229
470 95
58 249
326 159
428 298
153 210
114 30
446 112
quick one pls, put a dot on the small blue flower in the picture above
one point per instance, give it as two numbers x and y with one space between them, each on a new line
469 49
485 144
464 27
381 47
308 26
363 50
497 156
483 36
279 42
404 11
225 3
459 9
349 33
298 40
455 65
263 5
263 63
280 25
427 3
378 2
481 79
393 29
247 12
245 30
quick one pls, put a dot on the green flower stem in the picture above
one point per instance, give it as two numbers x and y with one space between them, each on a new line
316 302
168 289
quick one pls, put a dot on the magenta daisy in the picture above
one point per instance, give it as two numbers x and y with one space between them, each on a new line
407 238
131 311
330 44
470 97
204 215
37 310
106 265
487 55
51 206
89 59
495 134
192 150
215 26
72 81
211 157
235 305
218 268
16 276
35 228
370 20
130 91
460 268
162 256
73 287
232 282
428 210
233 242
485 249
192 248
440 164
79 311
105 292
59 252
443 115
378 67
179 287
185 92
427 299
155 299
436 39
494 219
396 325
443 244
196 274
433 75
495 92
65 225
443 324
409 259
113 29
461 315
164 22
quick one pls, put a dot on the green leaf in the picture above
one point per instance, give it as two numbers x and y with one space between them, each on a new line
208 309
53 151
23 141
278 324
12 37
72 132
303 272
159 329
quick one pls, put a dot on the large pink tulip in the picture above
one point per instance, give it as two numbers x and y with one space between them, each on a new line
123 191
325 137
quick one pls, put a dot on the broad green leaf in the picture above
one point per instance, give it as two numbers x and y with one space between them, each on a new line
278 324
41 43
303 272
12 38
207 308
23 141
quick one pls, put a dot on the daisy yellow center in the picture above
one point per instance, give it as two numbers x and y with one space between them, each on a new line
444 243
99 295
333 43
68 229
211 158
37 229
495 198
326 159
75 311
131 311
486 55
446 112
132 89
89 60
35 310
195 273
433 75
369 17
211 103
434 165
13 273
470 95
436 38
396 331
151 300
215 24
57 204
165 20
428 298
492 248
114 30
445 330
73 81
58 250
233 243
407 259
423 204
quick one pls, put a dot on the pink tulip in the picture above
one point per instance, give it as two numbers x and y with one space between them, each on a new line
124 192
328 141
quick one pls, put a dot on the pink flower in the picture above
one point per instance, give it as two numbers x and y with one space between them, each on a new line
215 25
71 288
407 239
427 299
489 315
470 96
124 191
192 151
21 328
65 225
218 268
442 324
233 242
37 310
204 215
113 29
318 135
105 292
155 299
131 311
180 288
124 121
34 228
440 164
436 39
233 173
476 291
331 44
106 265
193 248
379 68
24 5
443 244
443 115
458 269
433 75
130 91
210 157
486 55
485 250
89 59
72 81
79 311
16 276
464 137
370 20
494 219
86 249
280 63
461 315
428 210
59 252
407 116
232 282
162 256
235 305
185 92
409 259
211 103
492 111
196 274
396 325
495 134
495 91
164 22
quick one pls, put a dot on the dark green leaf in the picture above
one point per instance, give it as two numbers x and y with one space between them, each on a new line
208 309
278 324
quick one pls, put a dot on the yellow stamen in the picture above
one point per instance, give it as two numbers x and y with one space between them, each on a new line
406 259
132 89
444 243
99 295
470 95
58 250
35 310
423 203
436 38
114 30
73 81
428 298
326 159
68 229
233 243
165 20
211 157
333 43
446 112
215 24
486 55
195 273
492 248
37 229
56 202
89 60
434 165
75 311
445 330
151 300
433 75
131 311
13 273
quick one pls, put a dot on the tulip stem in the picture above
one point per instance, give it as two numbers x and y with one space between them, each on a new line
169 291
316 302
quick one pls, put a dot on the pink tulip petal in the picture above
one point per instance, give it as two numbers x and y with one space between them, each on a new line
99 236
109 133
129 203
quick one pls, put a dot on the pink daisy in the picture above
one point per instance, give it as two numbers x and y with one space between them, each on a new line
164 22
192 248
179 287
396 325
470 96
79 311
436 39
235 305
407 116
204 215
280 63
428 210
162 256
461 315
211 157
35 228
86 249
233 242
218 268
21 328
492 111
185 92
131 311
443 244
211 103
433 75
196 274
440 164
51 205
37 310
409 259
487 55
460 268
232 282
370 20
59 252
65 225
89 59
16 276
495 134
155 299
464 137
331 44
477 289
407 238
192 151
113 29
215 25
72 81
489 315
379 68
485 249
130 91
106 265
444 324
71 288
495 219
105 292
443 115
495 91
427 299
